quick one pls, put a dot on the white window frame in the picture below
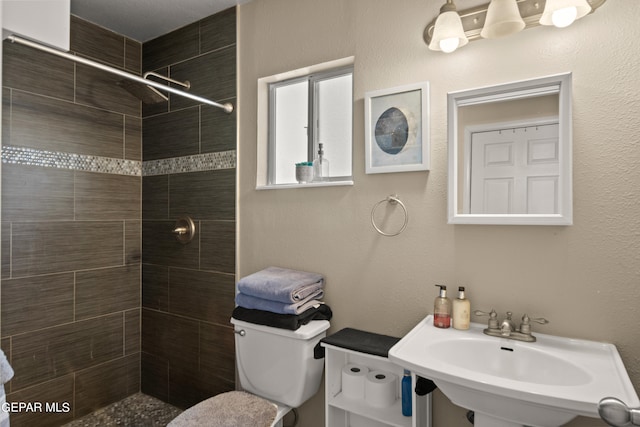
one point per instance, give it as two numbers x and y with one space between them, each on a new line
314 73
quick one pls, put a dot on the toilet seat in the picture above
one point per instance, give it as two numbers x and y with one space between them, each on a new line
232 409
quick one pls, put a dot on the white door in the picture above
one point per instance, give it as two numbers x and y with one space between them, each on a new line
515 171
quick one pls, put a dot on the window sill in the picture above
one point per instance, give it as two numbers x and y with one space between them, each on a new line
308 185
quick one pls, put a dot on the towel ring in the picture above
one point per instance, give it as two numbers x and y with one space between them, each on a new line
393 199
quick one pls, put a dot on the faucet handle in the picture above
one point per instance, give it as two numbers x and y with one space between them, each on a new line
493 317
525 326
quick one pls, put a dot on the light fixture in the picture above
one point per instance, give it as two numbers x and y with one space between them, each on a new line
480 19
448 34
562 13
503 19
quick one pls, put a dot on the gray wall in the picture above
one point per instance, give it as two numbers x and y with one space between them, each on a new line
188 290
71 226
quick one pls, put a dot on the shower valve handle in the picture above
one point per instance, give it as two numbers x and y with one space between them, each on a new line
180 230
184 229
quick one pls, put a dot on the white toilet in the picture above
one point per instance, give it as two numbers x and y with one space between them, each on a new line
276 366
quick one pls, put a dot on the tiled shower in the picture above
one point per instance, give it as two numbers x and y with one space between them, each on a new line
98 299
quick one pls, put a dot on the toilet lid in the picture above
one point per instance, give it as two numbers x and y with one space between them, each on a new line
231 409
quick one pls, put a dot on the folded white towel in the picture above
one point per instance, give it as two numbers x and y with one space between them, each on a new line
281 284
6 371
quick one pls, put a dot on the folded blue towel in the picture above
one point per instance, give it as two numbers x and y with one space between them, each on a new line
281 284
254 303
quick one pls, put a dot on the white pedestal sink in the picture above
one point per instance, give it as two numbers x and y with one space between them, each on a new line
511 383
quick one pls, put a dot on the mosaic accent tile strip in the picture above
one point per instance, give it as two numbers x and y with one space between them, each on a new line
79 162
195 163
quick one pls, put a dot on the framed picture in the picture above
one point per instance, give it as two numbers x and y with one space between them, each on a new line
396 135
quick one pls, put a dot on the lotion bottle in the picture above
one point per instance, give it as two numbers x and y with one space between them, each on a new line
442 309
461 311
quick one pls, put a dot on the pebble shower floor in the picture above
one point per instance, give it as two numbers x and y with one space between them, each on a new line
138 410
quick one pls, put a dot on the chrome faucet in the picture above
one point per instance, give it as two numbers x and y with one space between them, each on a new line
507 328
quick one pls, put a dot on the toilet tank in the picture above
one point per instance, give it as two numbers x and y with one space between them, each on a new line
278 364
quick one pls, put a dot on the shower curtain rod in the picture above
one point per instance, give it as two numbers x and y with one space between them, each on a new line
227 107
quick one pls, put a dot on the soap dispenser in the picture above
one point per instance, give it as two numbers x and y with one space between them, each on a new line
442 309
461 311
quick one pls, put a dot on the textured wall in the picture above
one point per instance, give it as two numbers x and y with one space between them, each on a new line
583 278
71 226
189 169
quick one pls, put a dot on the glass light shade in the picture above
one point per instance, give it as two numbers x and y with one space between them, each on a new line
503 18
448 34
562 13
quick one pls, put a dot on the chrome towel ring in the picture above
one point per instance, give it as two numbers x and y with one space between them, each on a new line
394 200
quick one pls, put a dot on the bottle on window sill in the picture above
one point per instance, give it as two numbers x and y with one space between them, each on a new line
321 166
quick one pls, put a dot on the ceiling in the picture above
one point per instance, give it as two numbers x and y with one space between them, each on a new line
143 20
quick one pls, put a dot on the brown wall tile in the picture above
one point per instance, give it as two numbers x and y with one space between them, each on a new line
96 42
24 301
217 353
132 323
133 242
212 75
132 138
133 56
34 71
53 125
201 295
33 193
160 246
203 195
176 46
172 134
54 352
218 129
100 89
155 376
59 390
218 30
101 196
218 246
155 197
107 290
155 287
169 337
6 116
107 383
51 247
6 250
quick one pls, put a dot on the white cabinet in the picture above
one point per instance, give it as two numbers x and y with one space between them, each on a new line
45 21
341 411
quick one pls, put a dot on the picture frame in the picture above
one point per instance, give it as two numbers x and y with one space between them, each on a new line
397 129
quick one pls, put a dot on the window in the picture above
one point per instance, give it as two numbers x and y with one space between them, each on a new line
307 108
